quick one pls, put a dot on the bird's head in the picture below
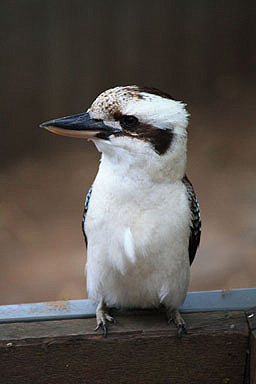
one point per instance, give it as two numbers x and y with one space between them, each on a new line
132 119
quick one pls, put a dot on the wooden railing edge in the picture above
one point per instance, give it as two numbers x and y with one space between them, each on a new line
141 348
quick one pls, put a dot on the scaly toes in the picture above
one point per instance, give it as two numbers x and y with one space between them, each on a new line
109 318
181 329
102 318
104 327
102 324
175 316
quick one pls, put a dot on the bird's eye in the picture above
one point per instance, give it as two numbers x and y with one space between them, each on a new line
129 122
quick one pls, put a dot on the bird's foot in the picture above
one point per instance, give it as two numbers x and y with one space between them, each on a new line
102 317
175 316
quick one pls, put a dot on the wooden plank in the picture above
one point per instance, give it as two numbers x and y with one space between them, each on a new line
251 318
253 357
141 348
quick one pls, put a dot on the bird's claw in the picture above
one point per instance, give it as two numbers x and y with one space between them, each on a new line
181 329
98 327
175 316
104 327
102 317
112 320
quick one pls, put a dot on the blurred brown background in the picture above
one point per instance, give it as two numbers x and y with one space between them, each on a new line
56 57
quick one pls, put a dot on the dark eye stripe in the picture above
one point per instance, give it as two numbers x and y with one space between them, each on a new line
160 139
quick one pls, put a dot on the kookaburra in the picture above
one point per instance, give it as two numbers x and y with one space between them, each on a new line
141 220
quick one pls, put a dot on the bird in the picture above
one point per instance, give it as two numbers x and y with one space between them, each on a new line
141 218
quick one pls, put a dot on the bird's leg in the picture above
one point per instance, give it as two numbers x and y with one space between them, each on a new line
102 316
175 316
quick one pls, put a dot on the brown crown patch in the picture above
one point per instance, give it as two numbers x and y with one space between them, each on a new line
154 91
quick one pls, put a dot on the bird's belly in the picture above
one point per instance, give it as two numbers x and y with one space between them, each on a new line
138 259
149 281
140 287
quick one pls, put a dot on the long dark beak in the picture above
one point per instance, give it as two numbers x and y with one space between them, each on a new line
81 125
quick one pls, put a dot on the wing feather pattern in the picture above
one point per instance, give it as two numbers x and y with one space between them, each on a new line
195 227
86 205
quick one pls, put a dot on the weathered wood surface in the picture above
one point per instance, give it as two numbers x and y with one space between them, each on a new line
253 357
141 348
251 317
